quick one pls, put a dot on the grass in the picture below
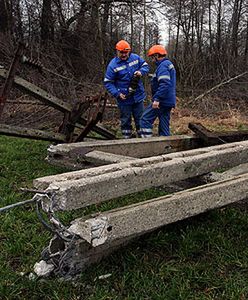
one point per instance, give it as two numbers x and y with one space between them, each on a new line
205 257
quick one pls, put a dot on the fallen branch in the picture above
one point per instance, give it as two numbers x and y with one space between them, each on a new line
215 88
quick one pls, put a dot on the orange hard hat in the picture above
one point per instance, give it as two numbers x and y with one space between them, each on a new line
157 49
123 46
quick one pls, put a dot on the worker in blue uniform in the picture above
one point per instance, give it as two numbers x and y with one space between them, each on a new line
163 84
120 73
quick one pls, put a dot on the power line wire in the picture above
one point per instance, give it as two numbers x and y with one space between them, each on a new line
5 208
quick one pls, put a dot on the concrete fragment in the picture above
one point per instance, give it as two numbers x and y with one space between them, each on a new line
32 276
43 269
96 229
104 276
77 255
206 178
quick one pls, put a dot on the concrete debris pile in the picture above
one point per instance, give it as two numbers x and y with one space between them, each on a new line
119 173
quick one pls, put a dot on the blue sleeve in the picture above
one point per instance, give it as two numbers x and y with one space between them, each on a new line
144 68
109 81
164 83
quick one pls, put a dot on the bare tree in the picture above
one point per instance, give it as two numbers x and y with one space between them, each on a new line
47 26
5 16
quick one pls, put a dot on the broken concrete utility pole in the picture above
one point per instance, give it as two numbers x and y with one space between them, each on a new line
97 237
79 155
78 189
143 217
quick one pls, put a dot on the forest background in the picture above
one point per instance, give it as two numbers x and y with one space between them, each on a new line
207 40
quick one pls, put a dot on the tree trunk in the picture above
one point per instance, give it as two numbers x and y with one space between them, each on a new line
246 44
235 26
131 19
47 27
5 16
145 31
218 35
210 26
19 28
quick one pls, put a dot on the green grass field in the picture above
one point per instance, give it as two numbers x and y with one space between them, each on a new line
205 257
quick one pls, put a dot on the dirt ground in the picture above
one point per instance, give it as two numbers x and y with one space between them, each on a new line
214 114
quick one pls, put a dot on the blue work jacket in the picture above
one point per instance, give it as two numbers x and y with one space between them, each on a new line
163 83
119 75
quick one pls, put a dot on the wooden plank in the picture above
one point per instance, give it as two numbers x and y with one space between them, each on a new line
233 136
31 133
209 138
38 93
124 224
72 118
53 101
99 129
89 126
216 137
138 175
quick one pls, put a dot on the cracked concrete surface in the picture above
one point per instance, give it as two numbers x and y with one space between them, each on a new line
87 187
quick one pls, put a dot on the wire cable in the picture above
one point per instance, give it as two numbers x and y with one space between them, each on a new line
5 208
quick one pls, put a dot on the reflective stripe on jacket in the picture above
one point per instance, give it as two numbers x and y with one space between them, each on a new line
119 75
164 83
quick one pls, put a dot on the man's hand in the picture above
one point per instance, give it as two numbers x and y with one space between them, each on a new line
122 96
155 104
137 73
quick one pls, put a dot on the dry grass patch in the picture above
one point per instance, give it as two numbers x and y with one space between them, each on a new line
224 120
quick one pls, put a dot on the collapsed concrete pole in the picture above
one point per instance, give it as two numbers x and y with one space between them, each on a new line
140 218
235 171
74 155
90 159
44 182
138 175
99 158
101 235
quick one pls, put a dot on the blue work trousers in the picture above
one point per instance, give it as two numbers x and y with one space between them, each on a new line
134 110
149 116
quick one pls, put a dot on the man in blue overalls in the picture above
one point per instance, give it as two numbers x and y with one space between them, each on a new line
118 77
163 85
